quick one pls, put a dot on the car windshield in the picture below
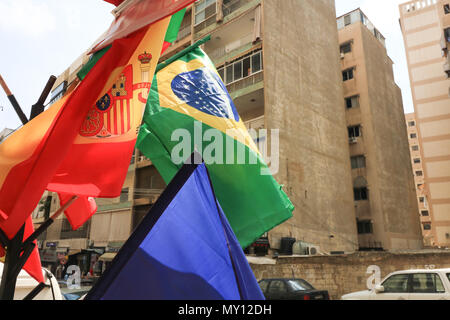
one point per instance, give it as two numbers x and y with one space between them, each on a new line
299 285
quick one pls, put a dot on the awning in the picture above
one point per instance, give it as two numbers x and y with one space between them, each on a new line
72 252
109 256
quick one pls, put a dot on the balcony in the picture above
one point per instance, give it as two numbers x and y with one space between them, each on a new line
223 53
143 161
209 17
146 196
184 33
68 233
232 40
255 81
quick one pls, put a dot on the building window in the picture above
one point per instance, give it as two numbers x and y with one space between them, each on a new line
352 102
447 8
347 74
347 20
413 135
361 194
124 195
59 92
415 148
346 48
412 124
419 173
427 226
204 9
417 160
422 200
365 227
425 213
241 68
354 132
358 162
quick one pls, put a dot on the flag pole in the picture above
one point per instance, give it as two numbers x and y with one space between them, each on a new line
38 108
17 250
13 101
9 278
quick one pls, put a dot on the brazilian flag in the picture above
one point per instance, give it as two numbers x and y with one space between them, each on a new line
187 93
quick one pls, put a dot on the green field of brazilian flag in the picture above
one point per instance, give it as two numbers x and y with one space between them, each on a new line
187 93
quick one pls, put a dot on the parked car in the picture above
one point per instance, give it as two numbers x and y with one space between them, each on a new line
409 285
291 289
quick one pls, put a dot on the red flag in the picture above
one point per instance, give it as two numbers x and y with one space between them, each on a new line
115 2
79 211
138 14
33 264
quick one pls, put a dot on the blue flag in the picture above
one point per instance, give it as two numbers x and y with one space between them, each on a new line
184 249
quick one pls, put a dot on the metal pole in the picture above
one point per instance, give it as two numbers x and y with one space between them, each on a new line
18 251
13 101
38 108
9 278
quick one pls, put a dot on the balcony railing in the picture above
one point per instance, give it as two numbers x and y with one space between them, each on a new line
230 6
236 46
246 82
184 32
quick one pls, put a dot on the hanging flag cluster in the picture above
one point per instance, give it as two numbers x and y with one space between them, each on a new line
82 145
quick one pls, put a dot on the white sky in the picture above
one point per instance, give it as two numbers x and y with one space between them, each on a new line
39 38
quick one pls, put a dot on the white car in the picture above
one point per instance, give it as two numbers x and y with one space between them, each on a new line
25 284
409 285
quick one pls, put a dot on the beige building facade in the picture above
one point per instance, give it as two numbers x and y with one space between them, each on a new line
288 77
426 32
383 184
419 180
289 88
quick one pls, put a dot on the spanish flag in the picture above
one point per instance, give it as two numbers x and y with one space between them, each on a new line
82 145
188 94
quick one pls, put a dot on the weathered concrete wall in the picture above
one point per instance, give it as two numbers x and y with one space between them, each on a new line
391 204
394 181
348 273
304 100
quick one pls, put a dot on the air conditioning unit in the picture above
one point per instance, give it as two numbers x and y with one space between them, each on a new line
353 140
313 250
342 55
305 249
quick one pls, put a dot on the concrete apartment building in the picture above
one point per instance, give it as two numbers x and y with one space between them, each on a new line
426 32
275 74
284 74
385 199
419 180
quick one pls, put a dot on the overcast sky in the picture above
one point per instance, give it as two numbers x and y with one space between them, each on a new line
43 37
